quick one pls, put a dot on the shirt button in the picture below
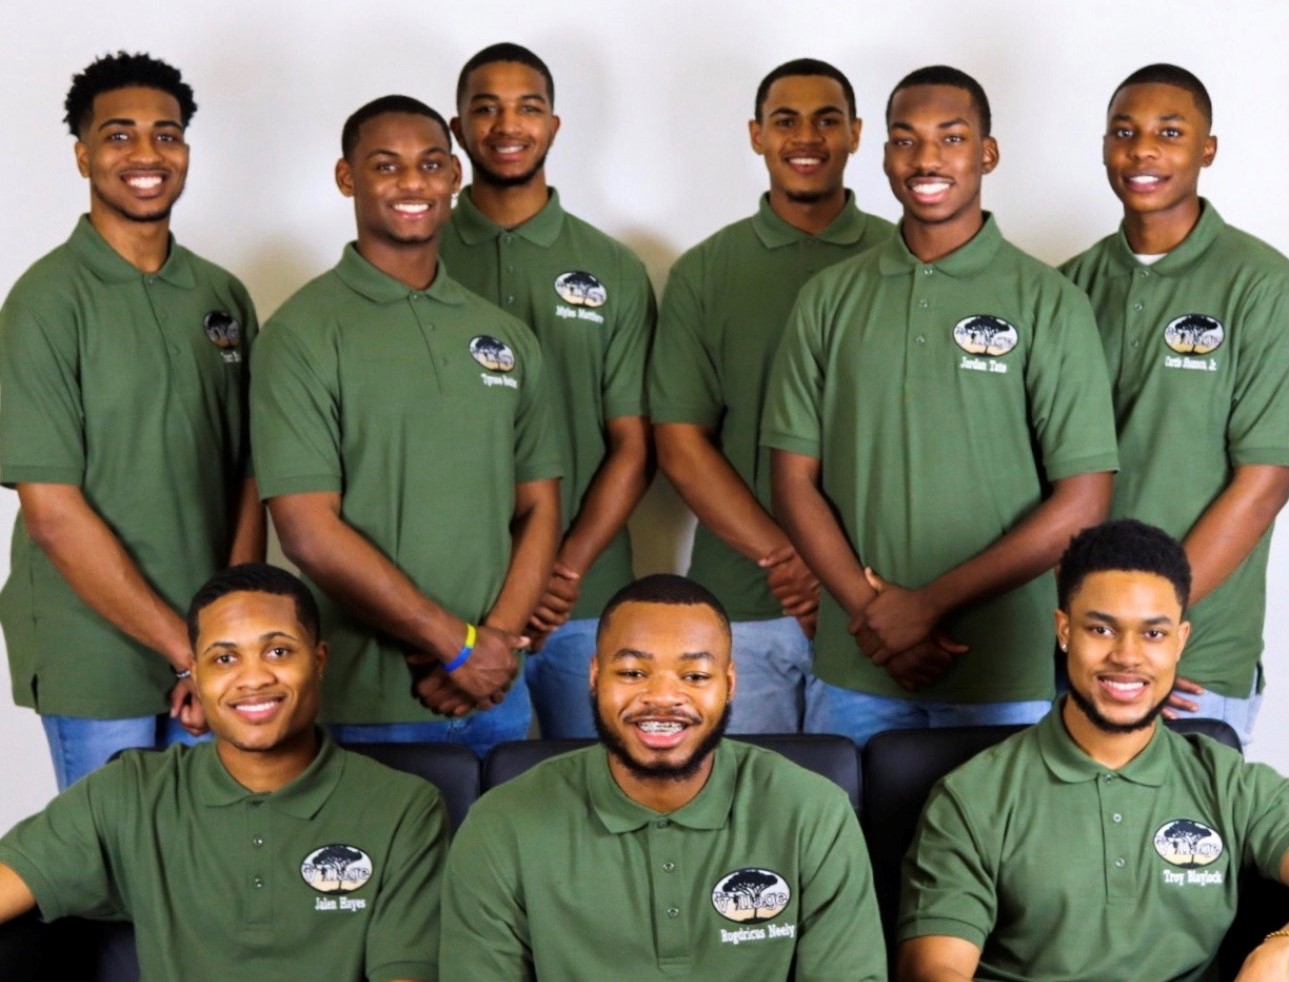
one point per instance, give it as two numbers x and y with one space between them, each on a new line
921 339
258 883
660 824
506 237
1136 343
668 867
510 298
151 280
1116 818
927 271
673 912
1120 863
1139 306
258 840
924 303
174 349
510 269
1108 778
1145 273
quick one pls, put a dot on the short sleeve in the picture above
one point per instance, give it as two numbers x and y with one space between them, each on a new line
403 937
1257 430
536 450
628 348
295 414
947 886
42 436
684 382
794 398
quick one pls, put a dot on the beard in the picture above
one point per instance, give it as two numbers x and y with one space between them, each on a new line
806 197
659 772
483 174
1106 725
160 215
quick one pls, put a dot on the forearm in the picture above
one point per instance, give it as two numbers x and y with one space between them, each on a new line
534 534
15 896
715 492
614 491
812 526
356 575
1229 529
249 527
89 556
936 959
1031 548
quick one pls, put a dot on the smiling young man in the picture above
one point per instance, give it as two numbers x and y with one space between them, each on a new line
123 430
1192 315
940 426
1098 845
403 442
723 314
270 853
663 850
589 301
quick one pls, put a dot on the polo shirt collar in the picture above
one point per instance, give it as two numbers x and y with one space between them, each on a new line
710 808
541 230
302 798
1068 763
968 260
846 229
1185 256
365 279
111 267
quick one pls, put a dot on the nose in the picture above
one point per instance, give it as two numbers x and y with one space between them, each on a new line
256 673
1143 145
1128 650
663 689
926 156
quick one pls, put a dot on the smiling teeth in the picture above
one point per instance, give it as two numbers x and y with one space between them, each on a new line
806 160
412 208
1147 179
1124 686
144 182
658 726
931 187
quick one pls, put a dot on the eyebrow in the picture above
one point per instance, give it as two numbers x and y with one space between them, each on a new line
1166 118
266 636
623 653
1111 619
123 121
789 111
493 96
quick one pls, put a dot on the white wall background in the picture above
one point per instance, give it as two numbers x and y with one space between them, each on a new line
654 97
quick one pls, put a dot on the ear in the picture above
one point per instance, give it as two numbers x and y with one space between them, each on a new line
595 671
731 677
456 174
754 133
1210 151
82 158
321 655
554 127
989 150
1062 621
454 124
345 178
855 126
1183 635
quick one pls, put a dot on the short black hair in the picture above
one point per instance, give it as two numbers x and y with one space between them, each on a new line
120 71
947 75
505 51
1128 545
1166 74
805 66
352 129
256 578
662 588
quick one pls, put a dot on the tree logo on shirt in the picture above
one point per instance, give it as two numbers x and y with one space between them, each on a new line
336 869
1194 334
225 333
985 334
580 289
492 354
751 895
1187 843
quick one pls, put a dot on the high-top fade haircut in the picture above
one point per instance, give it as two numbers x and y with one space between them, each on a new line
946 75
1124 545
1165 74
256 578
805 66
121 71
352 129
663 588
505 51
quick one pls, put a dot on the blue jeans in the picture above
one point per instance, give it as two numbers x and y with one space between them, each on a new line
79 745
479 731
774 686
859 716
1239 713
558 679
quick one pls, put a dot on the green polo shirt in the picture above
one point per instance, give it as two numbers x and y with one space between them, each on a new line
763 876
423 409
588 299
335 876
132 387
941 399
1061 869
1198 350
723 314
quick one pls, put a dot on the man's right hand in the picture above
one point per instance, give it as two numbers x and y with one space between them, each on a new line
481 682
791 582
924 663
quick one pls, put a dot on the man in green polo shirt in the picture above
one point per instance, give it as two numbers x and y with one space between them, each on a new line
940 423
663 851
123 369
269 854
402 438
1193 317
1098 845
588 300
723 315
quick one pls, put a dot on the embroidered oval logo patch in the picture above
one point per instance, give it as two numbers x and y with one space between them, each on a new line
336 868
1187 843
751 895
581 289
492 354
985 334
1194 334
